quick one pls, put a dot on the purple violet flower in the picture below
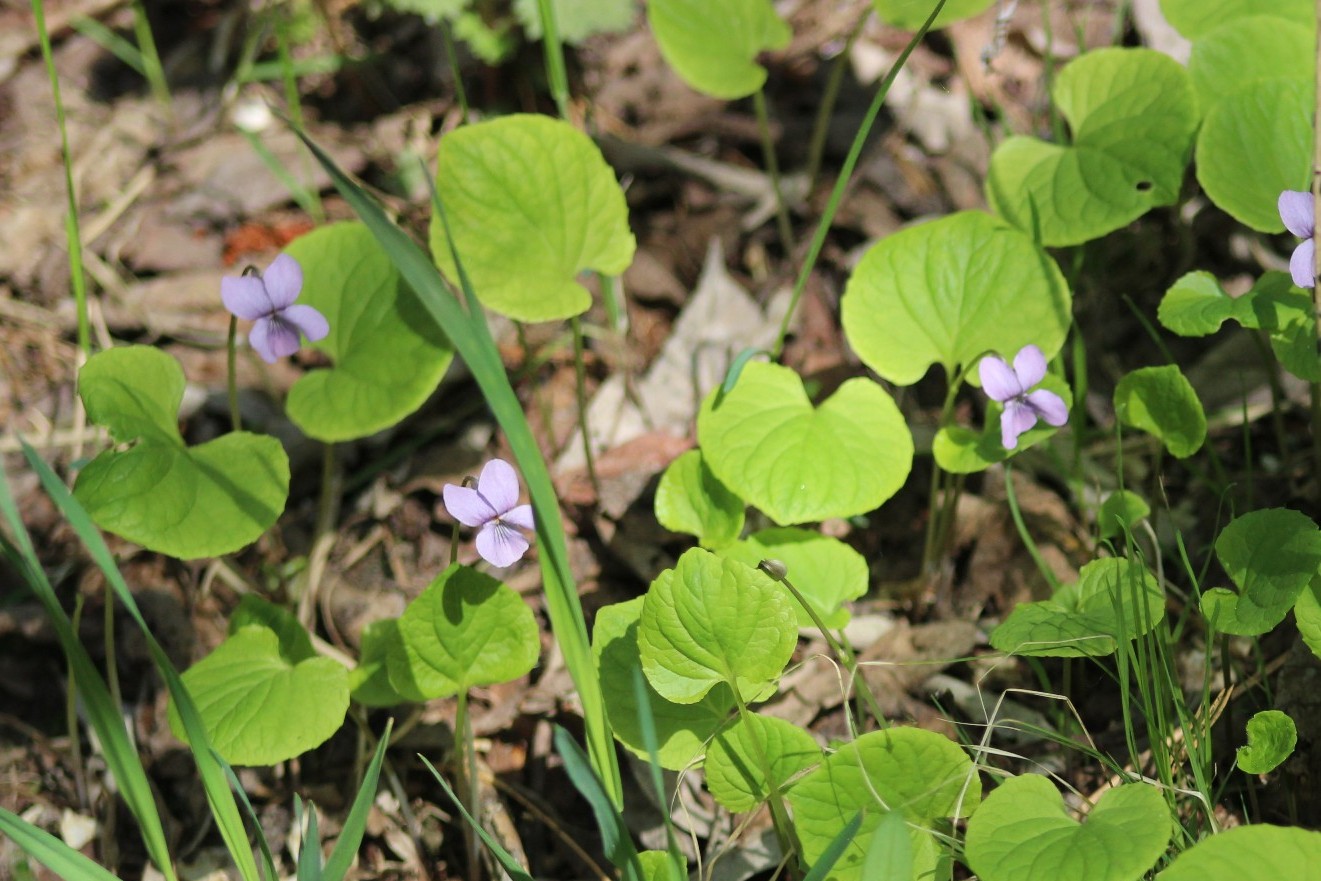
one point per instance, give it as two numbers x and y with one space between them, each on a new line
1298 213
1009 386
493 507
268 300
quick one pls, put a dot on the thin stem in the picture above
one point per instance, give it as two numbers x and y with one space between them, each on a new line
773 169
550 35
816 147
71 229
71 715
466 771
775 800
843 651
1022 530
937 530
580 394
235 419
291 100
842 182
459 92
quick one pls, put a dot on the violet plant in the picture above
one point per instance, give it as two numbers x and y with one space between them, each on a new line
491 507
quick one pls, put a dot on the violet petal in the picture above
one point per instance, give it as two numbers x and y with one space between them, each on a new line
1297 212
1017 418
998 379
520 516
245 297
1029 366
1049 406
1302 265
284 279
500 544
308 320
499 483
467 506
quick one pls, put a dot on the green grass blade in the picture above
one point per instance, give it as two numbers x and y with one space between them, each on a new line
472 340
502 856
77 278
647 722
48 850
218 796
615 839
309 855
835 850
355 824
267 858
102 713
111 42
845 174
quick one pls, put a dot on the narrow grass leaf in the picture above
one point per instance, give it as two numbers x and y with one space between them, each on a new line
472 340
615 840
120 754
355 824
221 801
48 850
502 856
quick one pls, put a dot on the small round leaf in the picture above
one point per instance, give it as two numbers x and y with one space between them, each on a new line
387 351
1023 831
753 755
949 291
1254 144
1249 853
682 730
714 46
766 442
1121 511
920 773
1161 402
826 571
531 203
1272 737
259 707
689 498
711 620
1133 117
465 629
187 502
1271 555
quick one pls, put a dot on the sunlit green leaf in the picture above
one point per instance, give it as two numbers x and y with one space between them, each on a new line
714 46
1271 555
689 498
754 755
1161 402
1272 737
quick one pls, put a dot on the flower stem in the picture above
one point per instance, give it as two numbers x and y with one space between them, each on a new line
580 392
782 222
235 421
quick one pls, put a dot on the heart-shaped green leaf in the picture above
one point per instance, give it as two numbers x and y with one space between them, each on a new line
531 204
1022 832
1161 402
260 707
949 291
1255 143
465 629
689 498
682 730
911 14
1272 737
387 351
1133 117
920 773
369 682
714 46
1121 512
711 620
1195 18
1271 555
962 450
754 755
1307 614
1249 853
827 572
1196 305
1113 600
766 442
187 502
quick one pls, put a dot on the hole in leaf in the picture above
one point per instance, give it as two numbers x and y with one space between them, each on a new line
1143 186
